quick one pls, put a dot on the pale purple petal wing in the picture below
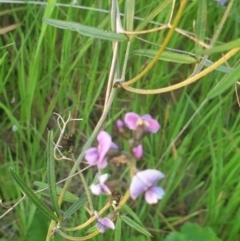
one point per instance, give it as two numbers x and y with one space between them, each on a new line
137 187
147 117
120 124
102 163
152 195
131 120
96 189
150 176
153 125
103 178
113 146
105 189
104 143
158 191
138 151
100 227
92 156
107 223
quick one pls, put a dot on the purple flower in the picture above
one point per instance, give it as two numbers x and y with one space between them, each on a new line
221 1
133 121
138 151
99 188
144 181
120 125
97 155
104 223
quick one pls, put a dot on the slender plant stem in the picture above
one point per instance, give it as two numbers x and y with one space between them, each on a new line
214 38
89 221
163 46
187 81
68 237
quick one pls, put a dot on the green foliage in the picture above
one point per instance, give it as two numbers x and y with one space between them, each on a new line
191 231
118 230
86 30
75 206
51 175
32 196
135 225
46 69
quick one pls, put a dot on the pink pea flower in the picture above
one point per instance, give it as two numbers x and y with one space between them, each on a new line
133 120
144 182
97 155
138 151
103 223
99 188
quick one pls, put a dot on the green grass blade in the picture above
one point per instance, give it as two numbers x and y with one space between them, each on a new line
223 69
135 225
34 67
167 56
132 213
201 25
117 236
75 206
68 197
162 5
226 83
51 175
129 13
224 47
32 196
86 30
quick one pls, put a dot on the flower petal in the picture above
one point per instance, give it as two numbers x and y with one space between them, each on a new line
100 227
107 223
99 188
104 223
131 120
92 156
147 117
153 194
113 146
103 178
150 176
138 151
96 189
120 124
102 163
104 143
153 125
137 187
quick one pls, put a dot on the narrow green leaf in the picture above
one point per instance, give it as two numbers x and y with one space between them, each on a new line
32 196
117 236
68 197
157 10
92 229
201 26
129 211
75 206
51 175
223 69
135 225
224 47
86 30
3 57
226 83
166 56
129 14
